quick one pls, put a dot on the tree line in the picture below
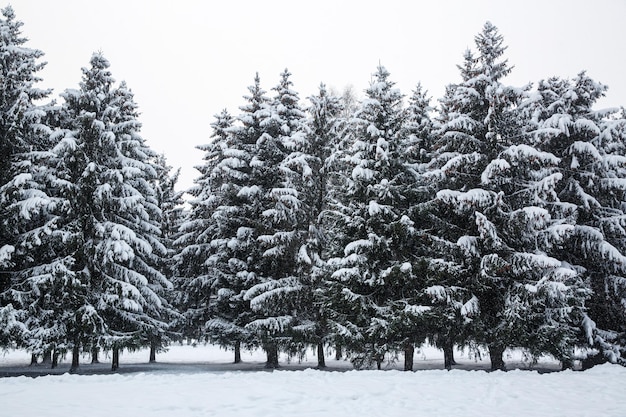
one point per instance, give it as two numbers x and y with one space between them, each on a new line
492 221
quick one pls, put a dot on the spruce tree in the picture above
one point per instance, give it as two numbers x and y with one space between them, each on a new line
413 313
282 227
590 145
462 153
212 255
170 202
22 129
491 205
27 224
323 134
372 212
111 220
221 255
299 296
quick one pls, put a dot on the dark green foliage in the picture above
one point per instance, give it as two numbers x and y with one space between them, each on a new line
495 221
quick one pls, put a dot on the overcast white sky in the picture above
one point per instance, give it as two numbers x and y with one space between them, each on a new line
186 60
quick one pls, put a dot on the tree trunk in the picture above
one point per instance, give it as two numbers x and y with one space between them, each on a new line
33 359
115 363
75 357
568 362
55 359
237 352
448 355
321 360
495 355
272 356
593 360
338 352
409 354
95 351
47 357
152 352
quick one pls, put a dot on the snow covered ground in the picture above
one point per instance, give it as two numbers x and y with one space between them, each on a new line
181 386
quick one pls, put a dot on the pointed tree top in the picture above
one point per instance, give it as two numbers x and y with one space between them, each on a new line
8 12
257 98
222 121
285 83
99 61
285 74
490 45
381 73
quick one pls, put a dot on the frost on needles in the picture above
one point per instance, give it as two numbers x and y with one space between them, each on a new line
371 226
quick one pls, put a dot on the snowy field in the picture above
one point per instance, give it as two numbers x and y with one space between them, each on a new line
200 381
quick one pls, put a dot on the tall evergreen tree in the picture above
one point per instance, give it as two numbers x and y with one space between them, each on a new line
590 145
299 296
26 221
482 171
323 130
462 154
372 212
170 202
280 172
411 323
21 127
112 219
213 241
226 221
197 232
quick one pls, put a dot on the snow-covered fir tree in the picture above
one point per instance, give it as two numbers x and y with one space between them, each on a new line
371 207
197 231
145 175
21 129
298 296
279 171
170 202
111 219
412 325
456 165
491 206
323 129
214 241
590 146
226 221
26 222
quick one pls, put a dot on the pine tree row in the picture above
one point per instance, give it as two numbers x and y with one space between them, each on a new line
494 221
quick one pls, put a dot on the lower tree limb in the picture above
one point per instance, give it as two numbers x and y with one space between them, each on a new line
593 360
